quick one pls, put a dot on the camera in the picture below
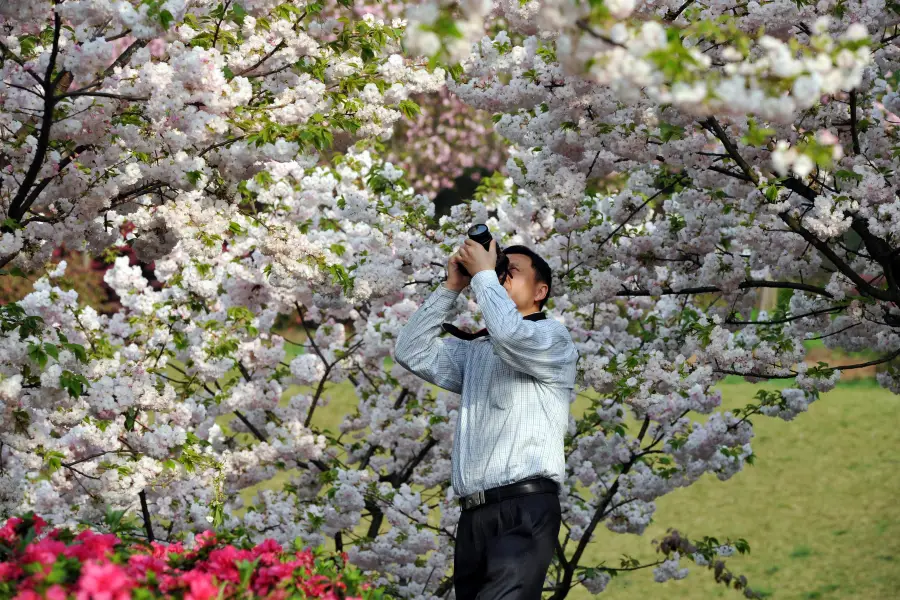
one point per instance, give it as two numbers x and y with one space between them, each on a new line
481 234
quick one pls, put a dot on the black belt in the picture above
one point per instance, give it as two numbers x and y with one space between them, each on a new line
522 488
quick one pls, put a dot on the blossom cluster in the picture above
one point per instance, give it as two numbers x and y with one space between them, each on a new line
57 563
444 142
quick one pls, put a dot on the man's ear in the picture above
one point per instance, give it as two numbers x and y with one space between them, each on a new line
541 292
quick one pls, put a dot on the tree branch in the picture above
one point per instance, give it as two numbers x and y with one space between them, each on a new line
791 318
408 471
728 172
16 207
46 180
731 148
850 367
585 26
743 285
250 426
374 447
854 133
672 16
861 284
641 207
148 526
563 588
262 60
123 97
21 63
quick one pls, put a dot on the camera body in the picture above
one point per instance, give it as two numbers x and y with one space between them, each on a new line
481 234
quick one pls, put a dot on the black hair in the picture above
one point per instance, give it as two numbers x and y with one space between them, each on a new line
542 272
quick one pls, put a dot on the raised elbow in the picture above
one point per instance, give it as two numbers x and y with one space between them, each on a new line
403 351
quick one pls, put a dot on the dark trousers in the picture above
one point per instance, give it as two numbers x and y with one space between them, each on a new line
503 550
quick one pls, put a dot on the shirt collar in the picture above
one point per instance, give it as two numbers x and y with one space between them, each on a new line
465 335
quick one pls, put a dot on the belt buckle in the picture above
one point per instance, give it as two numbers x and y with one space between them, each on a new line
473 500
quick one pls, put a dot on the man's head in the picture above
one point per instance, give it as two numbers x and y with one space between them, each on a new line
529 279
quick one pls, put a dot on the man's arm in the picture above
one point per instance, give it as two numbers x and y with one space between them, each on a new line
420 350
540 349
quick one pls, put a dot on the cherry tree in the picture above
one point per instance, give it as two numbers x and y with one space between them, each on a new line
668 159
679 161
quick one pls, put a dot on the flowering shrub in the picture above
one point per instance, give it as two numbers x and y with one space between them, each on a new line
39 562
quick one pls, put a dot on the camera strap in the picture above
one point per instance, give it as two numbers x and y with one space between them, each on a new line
465 335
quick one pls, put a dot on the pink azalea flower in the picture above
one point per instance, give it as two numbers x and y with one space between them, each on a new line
92 546
164 550
9 571
201 586
8 531
55 592
103 582
43 551
139 564
221 563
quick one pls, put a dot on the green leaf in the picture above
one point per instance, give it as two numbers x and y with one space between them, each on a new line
53 459
849 175
78 350
51 350
194 176
165 18
10 223
22 421
409 108
670 132
74 383
757 136
38 355
130 418
238 13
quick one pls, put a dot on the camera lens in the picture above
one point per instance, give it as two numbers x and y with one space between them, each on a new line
481 234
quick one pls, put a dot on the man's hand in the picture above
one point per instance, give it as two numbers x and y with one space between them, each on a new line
456 281
475 258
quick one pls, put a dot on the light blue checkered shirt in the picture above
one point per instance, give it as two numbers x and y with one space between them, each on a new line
515 386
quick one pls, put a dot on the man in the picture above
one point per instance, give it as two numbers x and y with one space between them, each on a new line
515 379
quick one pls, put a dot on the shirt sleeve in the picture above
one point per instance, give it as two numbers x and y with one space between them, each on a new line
421 351
542 349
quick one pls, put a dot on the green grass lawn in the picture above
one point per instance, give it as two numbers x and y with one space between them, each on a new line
818 508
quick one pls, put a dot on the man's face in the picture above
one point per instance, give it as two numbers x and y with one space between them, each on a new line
520 283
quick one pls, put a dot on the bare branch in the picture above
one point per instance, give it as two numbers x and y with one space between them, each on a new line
17 207
712 124
671 16
791 318
585 26
256 433
262 60
861 284
148 525
743 285
854 132
123 97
